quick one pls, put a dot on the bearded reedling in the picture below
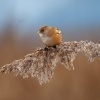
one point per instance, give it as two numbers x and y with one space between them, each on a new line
50 36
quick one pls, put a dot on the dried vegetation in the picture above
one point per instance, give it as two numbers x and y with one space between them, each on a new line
41 64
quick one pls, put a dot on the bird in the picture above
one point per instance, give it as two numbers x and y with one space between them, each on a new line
50 36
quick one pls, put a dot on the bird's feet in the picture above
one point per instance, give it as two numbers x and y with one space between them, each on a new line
46 48
54 46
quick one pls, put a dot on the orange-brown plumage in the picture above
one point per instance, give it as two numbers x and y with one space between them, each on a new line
50 36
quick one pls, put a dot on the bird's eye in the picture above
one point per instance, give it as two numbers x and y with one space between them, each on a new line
42 30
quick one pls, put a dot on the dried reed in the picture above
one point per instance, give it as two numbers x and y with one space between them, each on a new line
42 63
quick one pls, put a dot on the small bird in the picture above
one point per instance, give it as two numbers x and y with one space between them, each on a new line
50 36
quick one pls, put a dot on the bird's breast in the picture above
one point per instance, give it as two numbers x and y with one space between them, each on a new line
45 39
50 41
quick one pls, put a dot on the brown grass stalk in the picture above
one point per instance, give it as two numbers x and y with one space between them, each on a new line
42 63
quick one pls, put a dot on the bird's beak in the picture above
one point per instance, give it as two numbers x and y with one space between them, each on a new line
38 32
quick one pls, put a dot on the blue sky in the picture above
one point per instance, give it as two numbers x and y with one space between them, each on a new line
27 14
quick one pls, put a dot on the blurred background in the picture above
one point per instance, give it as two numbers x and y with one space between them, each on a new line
19 22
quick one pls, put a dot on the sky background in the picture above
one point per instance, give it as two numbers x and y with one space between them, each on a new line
32 14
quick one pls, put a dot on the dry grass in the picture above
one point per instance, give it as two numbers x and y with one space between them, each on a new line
42 63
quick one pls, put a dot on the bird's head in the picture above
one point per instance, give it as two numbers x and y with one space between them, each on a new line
48 31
